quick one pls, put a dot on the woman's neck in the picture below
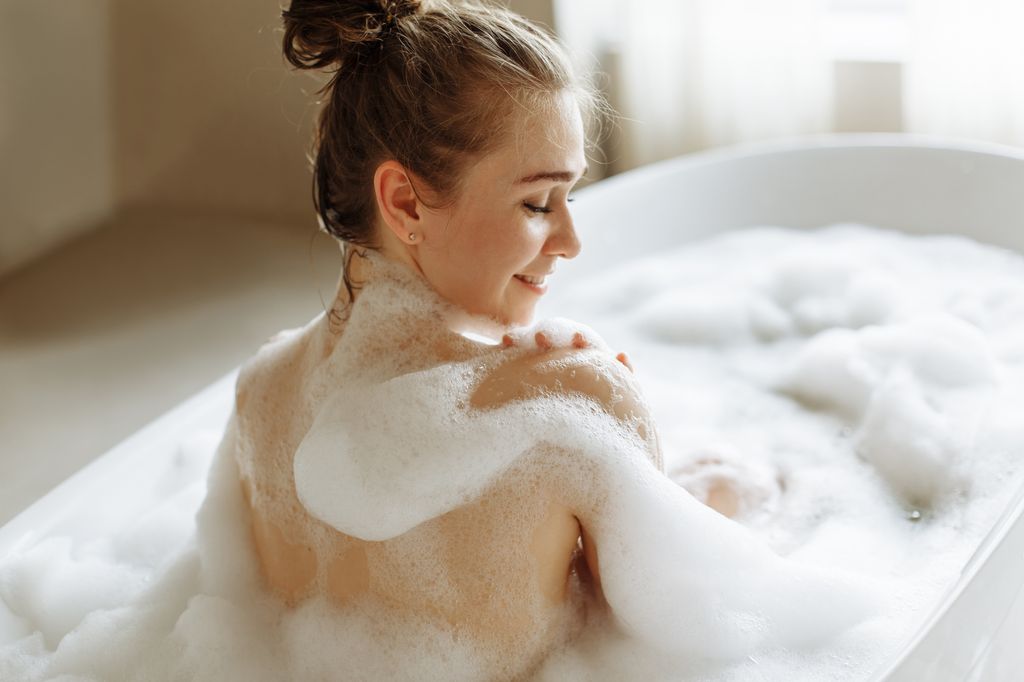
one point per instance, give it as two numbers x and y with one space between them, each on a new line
362 267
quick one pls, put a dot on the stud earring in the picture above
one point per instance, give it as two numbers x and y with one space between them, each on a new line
412 236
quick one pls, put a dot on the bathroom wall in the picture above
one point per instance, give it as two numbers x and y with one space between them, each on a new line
868 96
209 119
187 108
56 152
111 106
541 11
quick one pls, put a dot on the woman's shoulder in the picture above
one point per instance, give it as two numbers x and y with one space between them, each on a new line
592 373
274 363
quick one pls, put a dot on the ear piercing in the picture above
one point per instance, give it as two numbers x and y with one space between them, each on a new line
412 236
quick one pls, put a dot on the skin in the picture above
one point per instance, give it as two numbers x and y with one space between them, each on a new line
469 252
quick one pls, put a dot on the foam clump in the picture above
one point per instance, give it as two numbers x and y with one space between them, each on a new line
815 396
914 392
822 288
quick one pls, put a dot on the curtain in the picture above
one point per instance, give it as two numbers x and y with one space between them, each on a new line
964 74
686 75
690 74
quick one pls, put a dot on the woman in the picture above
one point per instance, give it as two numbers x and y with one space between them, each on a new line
501 494
448 144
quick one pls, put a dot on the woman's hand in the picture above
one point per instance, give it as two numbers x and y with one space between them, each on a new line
578 341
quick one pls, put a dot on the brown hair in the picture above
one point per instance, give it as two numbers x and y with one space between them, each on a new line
430 84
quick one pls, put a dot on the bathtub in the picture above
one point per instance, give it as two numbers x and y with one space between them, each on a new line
912 183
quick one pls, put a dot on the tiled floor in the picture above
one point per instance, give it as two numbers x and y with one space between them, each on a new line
112 330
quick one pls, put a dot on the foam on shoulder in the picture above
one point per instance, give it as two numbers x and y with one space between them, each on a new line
395 442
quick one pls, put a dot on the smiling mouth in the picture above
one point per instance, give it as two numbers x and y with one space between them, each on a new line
536 281
536 285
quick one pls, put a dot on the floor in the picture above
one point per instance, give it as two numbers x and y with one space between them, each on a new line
112 330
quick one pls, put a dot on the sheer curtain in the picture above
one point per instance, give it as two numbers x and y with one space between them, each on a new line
964 74
690 74
686 75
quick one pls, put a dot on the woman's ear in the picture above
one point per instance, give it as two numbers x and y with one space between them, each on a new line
397 201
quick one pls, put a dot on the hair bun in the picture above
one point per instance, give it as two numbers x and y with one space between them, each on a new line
401 8
321 32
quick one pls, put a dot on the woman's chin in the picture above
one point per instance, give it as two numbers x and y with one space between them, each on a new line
488 324
518 318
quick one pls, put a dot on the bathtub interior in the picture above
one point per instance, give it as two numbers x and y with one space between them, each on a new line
911 184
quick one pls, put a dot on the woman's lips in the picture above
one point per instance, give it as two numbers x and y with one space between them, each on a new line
539 286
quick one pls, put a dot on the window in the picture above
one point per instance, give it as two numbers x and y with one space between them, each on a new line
867 30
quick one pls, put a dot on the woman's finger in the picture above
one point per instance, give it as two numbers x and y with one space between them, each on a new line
624 359
579 341
542 341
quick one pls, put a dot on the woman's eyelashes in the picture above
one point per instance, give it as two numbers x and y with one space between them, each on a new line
543 209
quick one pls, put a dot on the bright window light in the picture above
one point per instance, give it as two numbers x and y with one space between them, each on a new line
867 30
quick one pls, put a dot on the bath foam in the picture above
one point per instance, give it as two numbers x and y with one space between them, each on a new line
917 390
888 369
375 472
782 603
414 408
385 456
673 566
365 357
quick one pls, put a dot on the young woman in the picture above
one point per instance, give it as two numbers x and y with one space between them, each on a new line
449 141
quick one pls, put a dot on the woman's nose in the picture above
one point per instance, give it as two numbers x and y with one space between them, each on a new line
563 240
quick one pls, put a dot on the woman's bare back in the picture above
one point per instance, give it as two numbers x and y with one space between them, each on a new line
511 567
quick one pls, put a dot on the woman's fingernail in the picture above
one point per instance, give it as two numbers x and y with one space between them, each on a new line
578 340
506 341
542 341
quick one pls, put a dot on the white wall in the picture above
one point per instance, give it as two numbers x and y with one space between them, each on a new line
56 150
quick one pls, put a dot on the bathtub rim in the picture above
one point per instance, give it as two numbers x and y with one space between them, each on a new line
910 183
806 143
38 519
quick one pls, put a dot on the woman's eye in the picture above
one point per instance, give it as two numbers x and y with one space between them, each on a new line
536 209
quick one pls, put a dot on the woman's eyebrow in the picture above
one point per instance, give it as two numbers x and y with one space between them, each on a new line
560 176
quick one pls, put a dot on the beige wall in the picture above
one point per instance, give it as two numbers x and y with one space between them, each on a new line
869 97
209 119
542 11
179 107
56 152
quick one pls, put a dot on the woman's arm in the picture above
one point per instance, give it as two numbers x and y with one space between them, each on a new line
590 373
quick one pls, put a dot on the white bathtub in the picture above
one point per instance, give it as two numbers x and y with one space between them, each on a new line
911 183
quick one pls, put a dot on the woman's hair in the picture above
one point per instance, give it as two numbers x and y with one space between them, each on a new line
429 83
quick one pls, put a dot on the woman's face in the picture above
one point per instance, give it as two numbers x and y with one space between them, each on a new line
511 219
